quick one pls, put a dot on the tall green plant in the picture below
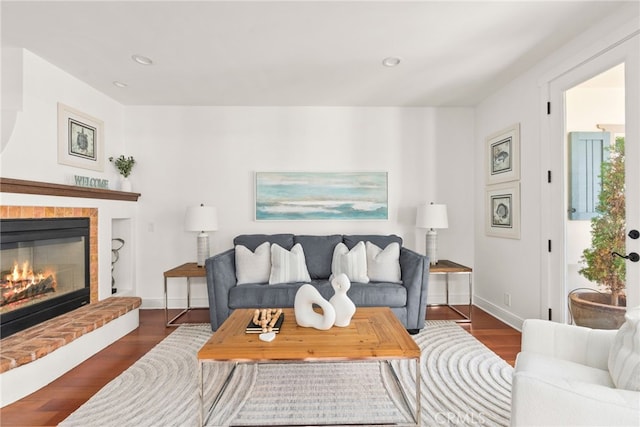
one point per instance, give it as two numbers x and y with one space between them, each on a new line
608 228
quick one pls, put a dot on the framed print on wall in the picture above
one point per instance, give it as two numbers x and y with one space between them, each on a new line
80 139
321 196
502 204
503 155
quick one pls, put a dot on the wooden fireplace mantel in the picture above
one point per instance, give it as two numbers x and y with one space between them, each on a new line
10 185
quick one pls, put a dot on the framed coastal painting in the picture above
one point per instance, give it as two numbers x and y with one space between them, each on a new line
503 155
321 196
80 139
502 205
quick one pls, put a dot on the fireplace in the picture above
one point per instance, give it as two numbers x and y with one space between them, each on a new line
45 271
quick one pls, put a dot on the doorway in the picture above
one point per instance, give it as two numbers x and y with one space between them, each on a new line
595 127
590 108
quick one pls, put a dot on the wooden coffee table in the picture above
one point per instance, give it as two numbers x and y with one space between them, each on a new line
375 333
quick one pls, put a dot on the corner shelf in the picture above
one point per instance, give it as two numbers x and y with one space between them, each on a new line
10 185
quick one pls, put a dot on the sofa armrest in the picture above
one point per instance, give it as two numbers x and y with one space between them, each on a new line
221 277
538 400
569 342
415 277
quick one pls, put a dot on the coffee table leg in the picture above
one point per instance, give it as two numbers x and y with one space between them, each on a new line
204 416
201 393
418 397
416 414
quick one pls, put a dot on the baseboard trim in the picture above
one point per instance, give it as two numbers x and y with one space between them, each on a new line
499 313
174 303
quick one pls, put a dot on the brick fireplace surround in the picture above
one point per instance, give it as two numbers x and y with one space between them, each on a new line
31 212
76 335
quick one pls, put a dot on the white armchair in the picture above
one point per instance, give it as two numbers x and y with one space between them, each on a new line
562 378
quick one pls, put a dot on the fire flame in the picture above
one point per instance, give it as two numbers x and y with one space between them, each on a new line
23 283
26 274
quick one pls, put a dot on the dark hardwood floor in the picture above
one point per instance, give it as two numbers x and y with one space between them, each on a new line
501 338
53 403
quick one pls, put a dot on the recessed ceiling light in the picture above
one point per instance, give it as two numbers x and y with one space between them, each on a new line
140 59
391 61
119 84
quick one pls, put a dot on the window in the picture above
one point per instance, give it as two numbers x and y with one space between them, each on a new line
587 152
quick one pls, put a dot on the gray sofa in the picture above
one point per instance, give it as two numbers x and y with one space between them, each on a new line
408 300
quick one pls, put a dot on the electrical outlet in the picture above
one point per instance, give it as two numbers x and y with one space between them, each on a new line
507 300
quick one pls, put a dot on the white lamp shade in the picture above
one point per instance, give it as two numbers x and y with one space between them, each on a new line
432 216
201 218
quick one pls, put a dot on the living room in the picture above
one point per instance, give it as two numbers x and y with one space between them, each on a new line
198 152
432 154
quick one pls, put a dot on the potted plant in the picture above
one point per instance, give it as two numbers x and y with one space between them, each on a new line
124 166
605 310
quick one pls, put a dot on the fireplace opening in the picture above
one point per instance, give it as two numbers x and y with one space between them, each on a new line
44 270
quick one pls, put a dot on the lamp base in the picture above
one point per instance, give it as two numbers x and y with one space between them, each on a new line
432 246
203 248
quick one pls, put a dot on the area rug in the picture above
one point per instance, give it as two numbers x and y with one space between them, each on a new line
463 383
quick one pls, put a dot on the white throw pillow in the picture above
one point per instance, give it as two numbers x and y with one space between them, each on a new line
624 355
288 266
253 267
383 265
352 262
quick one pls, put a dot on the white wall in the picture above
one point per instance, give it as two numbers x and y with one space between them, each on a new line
510 266
192 155
32 150
31 154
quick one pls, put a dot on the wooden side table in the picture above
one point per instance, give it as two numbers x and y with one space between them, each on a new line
447 267
188 270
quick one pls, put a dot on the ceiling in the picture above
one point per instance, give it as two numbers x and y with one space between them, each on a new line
284 53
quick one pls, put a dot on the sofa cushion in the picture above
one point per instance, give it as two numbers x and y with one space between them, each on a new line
624 355
288 266
318 252
376 239
352 262
254 295
378 294
528 361
283 294
253 267
383 265
252 241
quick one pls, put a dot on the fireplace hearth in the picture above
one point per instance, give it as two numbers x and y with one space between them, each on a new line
44 267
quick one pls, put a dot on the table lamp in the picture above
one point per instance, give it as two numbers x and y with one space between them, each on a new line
201 218
432 216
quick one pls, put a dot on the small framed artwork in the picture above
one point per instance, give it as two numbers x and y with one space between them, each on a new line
503 155
503 210
80 139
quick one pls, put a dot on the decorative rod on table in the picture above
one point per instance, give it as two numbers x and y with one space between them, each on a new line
201 218
432 216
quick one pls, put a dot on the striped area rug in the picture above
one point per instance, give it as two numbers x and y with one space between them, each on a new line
463 383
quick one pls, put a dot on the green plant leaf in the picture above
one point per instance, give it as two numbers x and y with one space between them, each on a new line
608 228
